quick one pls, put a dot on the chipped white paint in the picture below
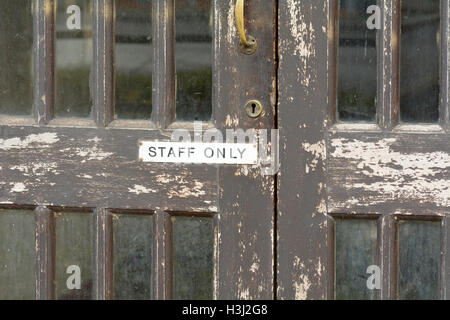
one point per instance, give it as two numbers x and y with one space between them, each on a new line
302 284
411 175
318 151
19 187
42 140
138 189
37 169
85 176
232 31
304 37
92 153
196 190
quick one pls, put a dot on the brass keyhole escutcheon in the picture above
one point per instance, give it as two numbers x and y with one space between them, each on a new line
253 108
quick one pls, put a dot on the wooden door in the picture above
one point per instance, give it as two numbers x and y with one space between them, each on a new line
364 183
82 83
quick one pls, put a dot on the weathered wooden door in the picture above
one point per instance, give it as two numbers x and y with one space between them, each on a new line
81 83
364 185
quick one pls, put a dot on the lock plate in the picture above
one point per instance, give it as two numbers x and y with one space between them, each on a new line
253 108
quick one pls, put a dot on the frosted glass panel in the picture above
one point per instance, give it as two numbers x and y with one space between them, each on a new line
193 257
133 256
17 255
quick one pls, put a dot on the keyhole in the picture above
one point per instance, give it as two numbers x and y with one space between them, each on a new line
253 108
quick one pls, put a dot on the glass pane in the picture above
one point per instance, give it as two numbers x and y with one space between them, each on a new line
193 53
193 258
357 78
356 250
74 242
16 54
419 260
133 246
420 56
134 59
74 56
17 255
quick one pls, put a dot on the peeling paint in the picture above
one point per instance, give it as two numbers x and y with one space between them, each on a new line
37 140
19 187
138 189
318 150
396 175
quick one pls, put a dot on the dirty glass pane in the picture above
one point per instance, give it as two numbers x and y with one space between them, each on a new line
74 56
16 54
17 255
133 246
419 260
420 56
193 53
357 65
74 243
356 250
134 59
193 258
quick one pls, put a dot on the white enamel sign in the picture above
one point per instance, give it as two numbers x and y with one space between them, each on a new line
196 152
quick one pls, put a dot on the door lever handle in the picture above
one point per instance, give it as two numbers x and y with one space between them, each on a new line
247 46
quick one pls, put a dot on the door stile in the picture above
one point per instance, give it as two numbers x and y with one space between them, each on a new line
245 230
304 227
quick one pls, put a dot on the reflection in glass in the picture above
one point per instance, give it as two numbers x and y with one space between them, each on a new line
16 54
419 260
357 76
133 59
193 54
74 242
193 257
420 56
74 56
133 241
356 250
17 255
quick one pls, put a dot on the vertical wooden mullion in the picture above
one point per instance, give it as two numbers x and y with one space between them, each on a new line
445 259
387 257
45 254
44 60
163 270
444 112
388 64
163 62
103 80
333 48
103 243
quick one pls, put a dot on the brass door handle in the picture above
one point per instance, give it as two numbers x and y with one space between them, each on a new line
247 46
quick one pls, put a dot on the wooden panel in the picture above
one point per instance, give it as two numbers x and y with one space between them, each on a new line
303 225
87 167
388 173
